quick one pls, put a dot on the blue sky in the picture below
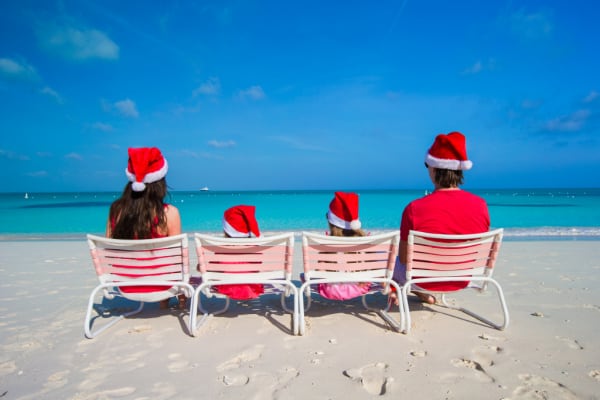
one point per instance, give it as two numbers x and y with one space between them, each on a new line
252 95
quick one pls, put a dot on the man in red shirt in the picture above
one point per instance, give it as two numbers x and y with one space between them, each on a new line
448 210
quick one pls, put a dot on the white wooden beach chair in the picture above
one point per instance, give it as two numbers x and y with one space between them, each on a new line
162 262
334 259
264 260
453 258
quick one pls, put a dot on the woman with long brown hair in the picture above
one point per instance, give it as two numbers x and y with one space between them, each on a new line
141 211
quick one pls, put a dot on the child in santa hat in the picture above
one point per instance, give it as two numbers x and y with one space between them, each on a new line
343 220
140 212
240 222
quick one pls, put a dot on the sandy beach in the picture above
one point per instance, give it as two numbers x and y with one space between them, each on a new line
549 351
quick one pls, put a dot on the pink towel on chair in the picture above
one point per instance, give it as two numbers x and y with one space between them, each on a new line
343 291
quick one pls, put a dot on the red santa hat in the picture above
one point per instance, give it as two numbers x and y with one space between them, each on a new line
343 211
146 165
449 152
239 221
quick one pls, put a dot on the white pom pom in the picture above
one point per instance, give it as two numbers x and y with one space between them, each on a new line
354 225
138 186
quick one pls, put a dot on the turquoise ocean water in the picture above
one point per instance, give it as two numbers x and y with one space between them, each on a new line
570 214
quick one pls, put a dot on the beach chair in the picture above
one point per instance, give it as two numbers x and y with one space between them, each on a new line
162 262
334 259
453 258
225 261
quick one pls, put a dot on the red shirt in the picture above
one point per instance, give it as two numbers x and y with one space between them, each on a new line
453 212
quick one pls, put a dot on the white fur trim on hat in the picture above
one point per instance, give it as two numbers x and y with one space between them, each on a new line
234 233
148 178
442 163
340 223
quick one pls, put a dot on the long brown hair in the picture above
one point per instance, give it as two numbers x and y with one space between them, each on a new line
337 231
136 215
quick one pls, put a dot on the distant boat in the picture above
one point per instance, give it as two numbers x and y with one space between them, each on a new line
204 189
26 195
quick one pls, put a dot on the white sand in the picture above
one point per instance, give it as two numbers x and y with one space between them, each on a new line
549 351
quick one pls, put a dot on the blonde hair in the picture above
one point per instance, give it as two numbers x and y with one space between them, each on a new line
337 231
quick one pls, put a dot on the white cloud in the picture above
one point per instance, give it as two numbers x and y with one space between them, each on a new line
480 66
591 97
74 156
126 108
530 104
37 174
253 93
101 126
570 123
473 69
17 70
13 156
212 87
78 44
219 145
531 25
52 93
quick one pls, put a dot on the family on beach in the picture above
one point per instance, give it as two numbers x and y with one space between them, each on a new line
141 213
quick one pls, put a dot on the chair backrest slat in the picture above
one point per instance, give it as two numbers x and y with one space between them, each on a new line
148 259
436 252
349 254
269 253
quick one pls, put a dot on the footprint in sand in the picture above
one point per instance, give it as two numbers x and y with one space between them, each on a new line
595 374
7 367
463 362
251 354
140 329
57 380
109 394
372 377
176 364
238 379
539 387
572 343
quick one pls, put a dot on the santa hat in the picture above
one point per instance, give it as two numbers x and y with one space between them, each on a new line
449 152
146 165
239 221
343 211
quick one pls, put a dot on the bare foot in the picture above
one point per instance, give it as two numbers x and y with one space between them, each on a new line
425 297
182 301
393 297
164 304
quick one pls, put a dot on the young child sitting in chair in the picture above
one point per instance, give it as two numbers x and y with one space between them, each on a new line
343 221
240 222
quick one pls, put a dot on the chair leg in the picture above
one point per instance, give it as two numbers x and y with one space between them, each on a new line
294 311
406 310
444 303
196 305
302 308
502 301
385 314
87 326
